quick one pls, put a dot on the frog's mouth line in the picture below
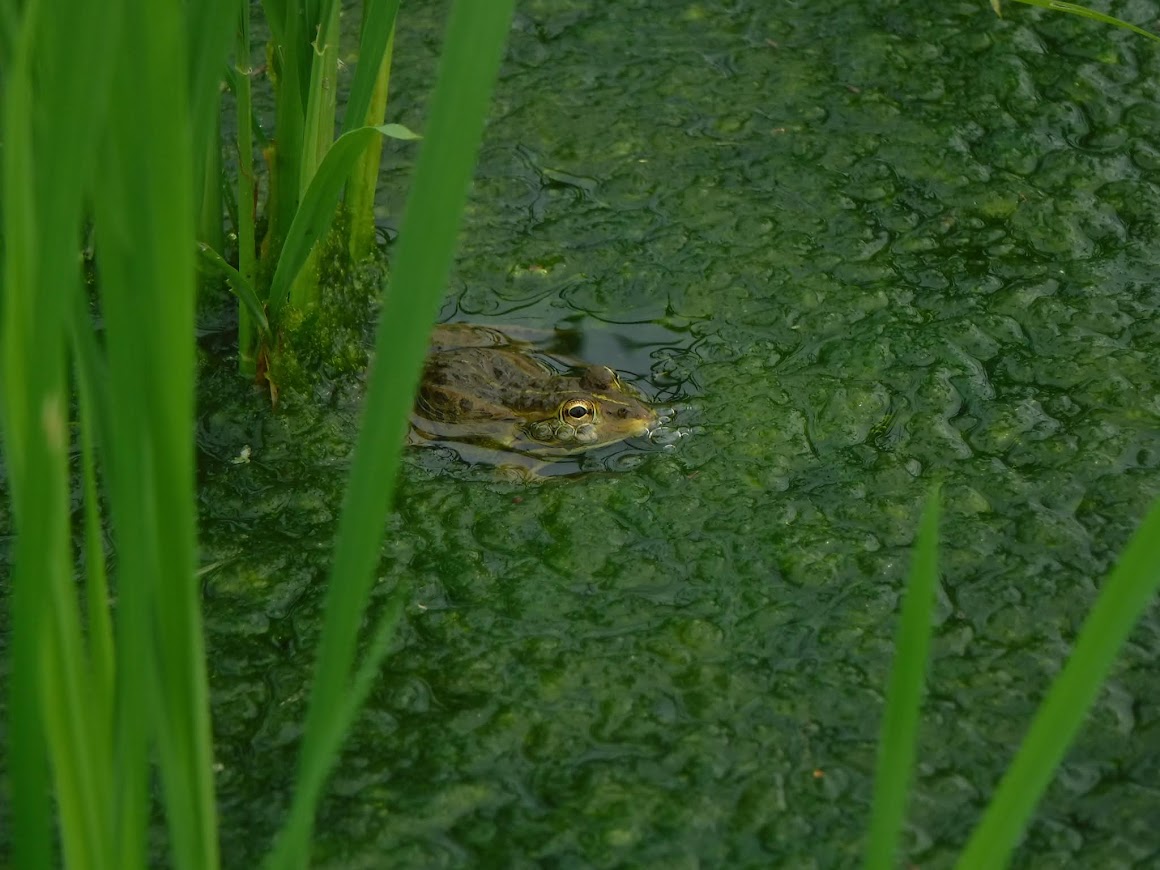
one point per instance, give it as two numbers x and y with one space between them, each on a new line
425 430
554 436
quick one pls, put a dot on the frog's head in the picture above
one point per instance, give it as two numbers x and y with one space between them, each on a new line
591 410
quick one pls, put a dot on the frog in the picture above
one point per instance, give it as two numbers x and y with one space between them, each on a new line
487 388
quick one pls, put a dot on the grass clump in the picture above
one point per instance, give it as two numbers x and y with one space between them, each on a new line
329 339
311 176
1126 594
108 115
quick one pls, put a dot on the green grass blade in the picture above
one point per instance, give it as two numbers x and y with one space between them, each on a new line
26 755
247 196
239 286
233 82
121 412
312 776
230 201
209 173
143 210
91 372
100 624
1127 593
321 94
209 24
93 409
316 212
398 131
9 28
896 746
276 13
318 131
378 28
62 44
288 58
467 72
1083 12
363 183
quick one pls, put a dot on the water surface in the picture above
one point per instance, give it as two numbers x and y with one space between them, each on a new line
860 247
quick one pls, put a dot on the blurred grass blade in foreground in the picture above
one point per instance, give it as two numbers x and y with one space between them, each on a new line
144 217
899 738
1127 593
467 71
93 129
55 54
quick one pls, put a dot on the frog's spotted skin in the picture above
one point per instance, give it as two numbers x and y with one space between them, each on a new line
481 387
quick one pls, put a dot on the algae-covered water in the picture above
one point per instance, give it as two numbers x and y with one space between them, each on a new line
860 247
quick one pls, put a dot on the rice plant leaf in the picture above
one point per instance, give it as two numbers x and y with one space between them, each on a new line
60 47
209 25
26 755
276 15
378 21
288 57
91 372
100 624
1084 12
1128 592
143 210
316 211
897 744
313 773
398 131
245 201
233 78
362 185
238 285
467 72
321 93
92 407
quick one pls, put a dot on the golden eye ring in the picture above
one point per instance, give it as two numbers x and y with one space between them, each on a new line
576 412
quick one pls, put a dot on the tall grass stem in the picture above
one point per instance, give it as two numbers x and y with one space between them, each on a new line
1128 592
247 192
899 737
467 70
364 179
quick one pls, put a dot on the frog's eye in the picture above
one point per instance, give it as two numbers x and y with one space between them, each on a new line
577 411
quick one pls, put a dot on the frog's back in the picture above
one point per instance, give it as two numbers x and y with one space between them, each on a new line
480 383
481 386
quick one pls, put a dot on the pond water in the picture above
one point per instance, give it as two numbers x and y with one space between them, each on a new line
860 247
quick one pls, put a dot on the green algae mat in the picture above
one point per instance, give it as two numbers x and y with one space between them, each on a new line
854 247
